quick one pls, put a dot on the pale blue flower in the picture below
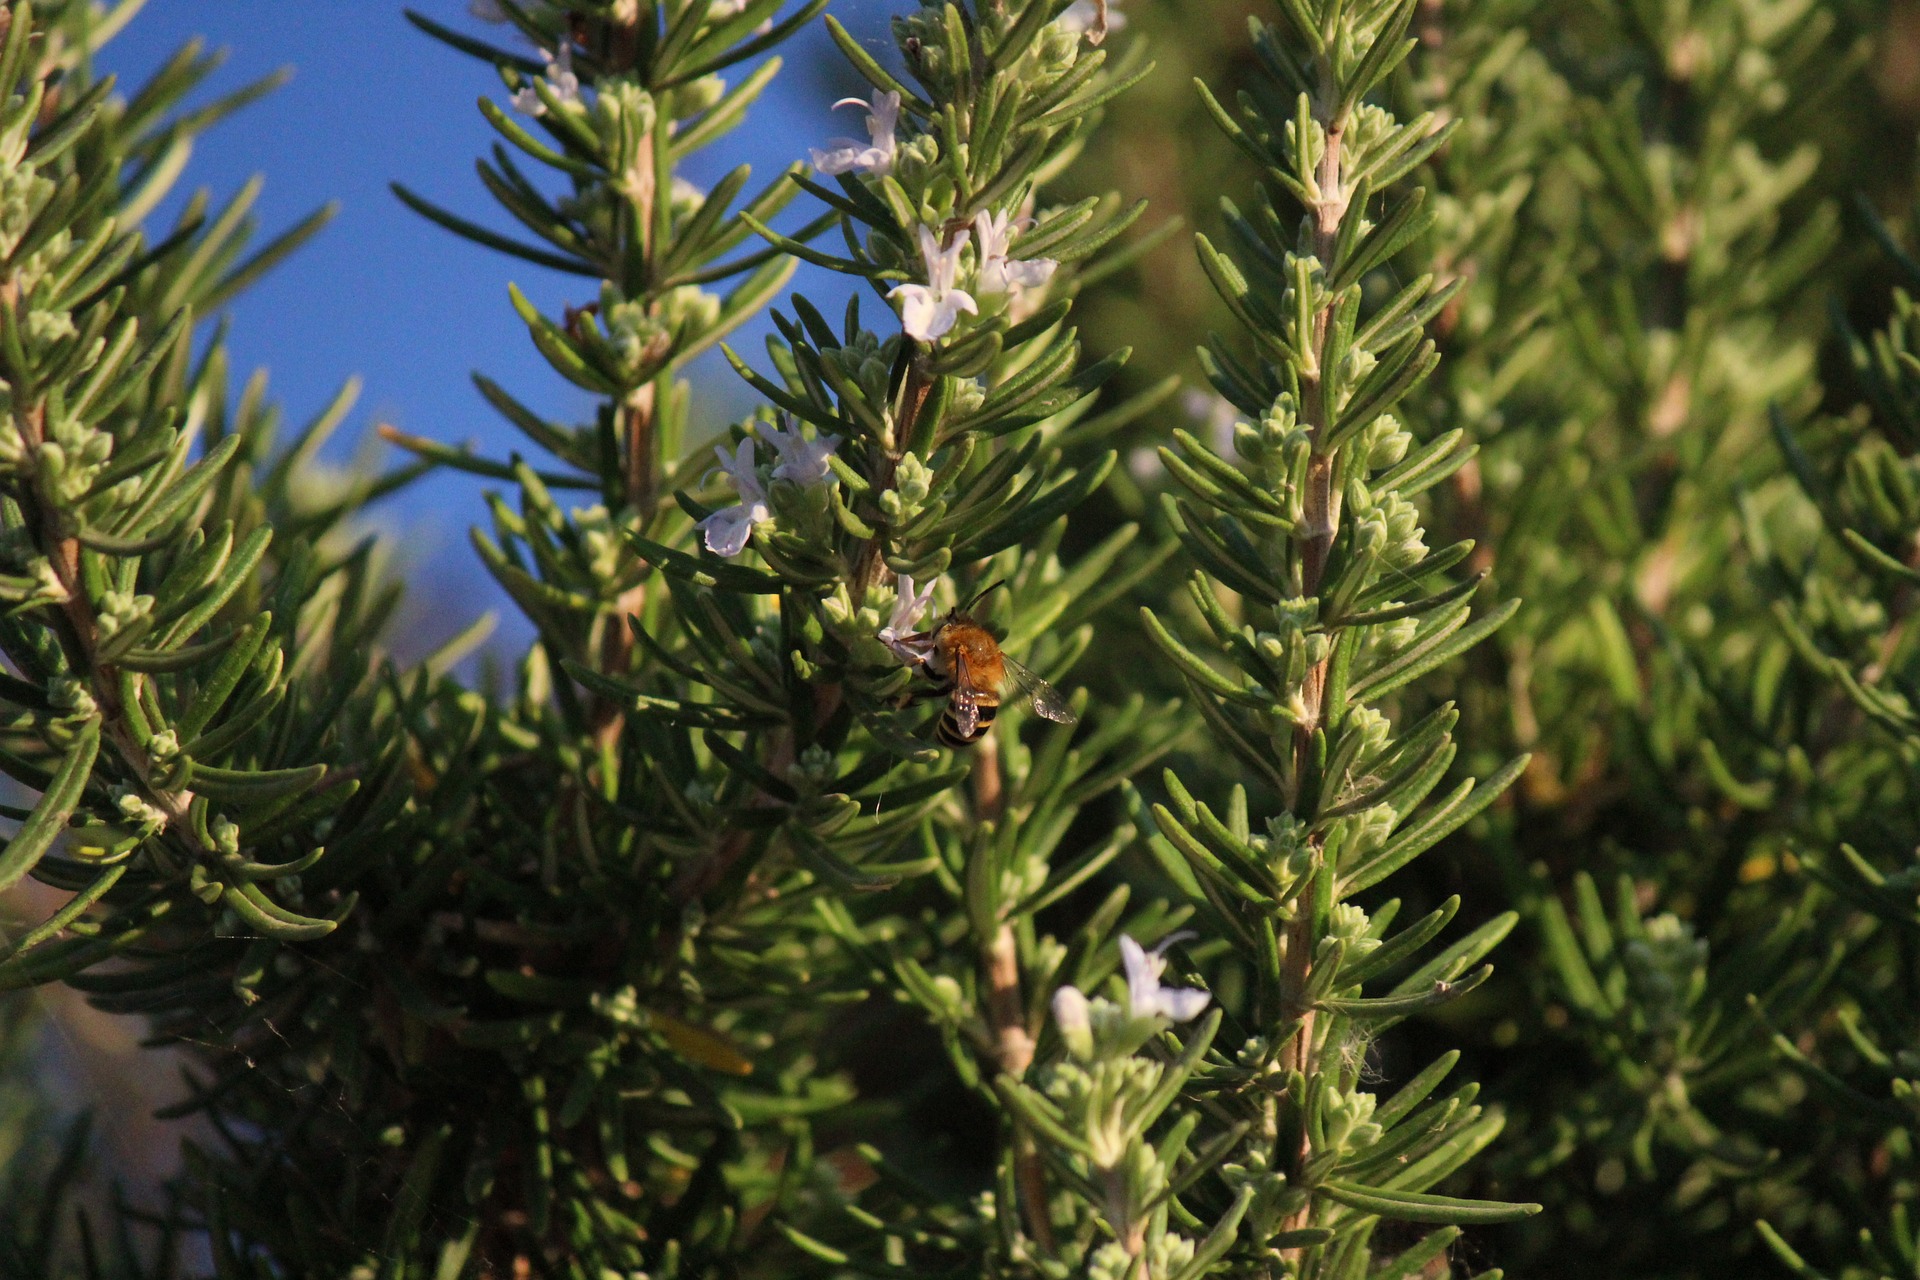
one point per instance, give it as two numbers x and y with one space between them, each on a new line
802 461
1074 1017
1085 17
928 311
1146 996
908 606
728 529
559 77
845 155
997 273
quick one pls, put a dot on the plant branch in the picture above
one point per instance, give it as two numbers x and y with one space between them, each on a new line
1321 508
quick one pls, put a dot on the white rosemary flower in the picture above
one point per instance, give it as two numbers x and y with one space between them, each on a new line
728 529
560 79
908 607
1146 996
1091 19
928 311
802 461
997 273
845 155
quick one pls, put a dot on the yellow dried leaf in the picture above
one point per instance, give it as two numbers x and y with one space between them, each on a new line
700 1045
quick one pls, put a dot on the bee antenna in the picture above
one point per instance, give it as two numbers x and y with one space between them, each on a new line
981 594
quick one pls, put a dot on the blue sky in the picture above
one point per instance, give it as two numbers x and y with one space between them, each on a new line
384 294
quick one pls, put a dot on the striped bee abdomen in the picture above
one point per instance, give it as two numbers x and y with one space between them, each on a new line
949 728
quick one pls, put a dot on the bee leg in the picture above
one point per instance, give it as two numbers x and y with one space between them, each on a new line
921 693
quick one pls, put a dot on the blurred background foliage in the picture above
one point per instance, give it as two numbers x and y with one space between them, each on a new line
1665 213
1685 353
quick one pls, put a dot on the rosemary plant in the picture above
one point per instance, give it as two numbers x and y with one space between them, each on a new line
773 913
1845 605
1248 1147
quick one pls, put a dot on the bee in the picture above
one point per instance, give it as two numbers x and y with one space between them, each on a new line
971 671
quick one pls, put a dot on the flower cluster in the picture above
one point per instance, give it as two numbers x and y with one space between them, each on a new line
801 461
1109 1096
930 310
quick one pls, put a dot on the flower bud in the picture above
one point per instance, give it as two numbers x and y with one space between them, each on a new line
1070 1014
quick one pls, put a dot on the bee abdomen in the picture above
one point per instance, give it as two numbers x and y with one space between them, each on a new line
949 733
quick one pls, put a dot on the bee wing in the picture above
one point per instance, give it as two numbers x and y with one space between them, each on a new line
966 706
1046 699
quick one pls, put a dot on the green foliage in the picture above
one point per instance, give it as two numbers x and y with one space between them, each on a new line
1636 325
489 1044
586 1037
149 703
1844 608
1335 604
747 924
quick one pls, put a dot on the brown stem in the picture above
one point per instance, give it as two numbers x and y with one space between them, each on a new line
622 35
913 398
1007 1011
616 640
620 45
1297 1053
637 419
1321 521
870 567
1030 1180
1320 502
1001 960
78 633
1013 1045
614 658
